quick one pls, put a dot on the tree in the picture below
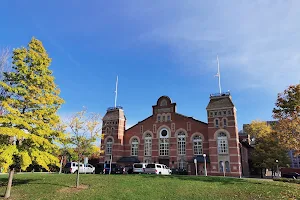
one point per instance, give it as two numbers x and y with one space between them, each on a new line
267 148
85 130
30 104
287 112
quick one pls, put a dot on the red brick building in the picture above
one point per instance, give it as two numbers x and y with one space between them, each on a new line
174 139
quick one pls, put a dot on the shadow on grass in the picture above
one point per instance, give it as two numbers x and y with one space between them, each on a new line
209 179
16 181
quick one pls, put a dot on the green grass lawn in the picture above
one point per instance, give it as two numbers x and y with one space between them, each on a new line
59 186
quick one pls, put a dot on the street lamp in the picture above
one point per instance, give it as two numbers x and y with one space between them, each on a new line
205 171
195 161
277 167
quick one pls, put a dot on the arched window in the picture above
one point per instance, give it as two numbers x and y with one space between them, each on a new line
227 166
222 143
134 147
197 142
181 164
225 122
109 146
221 166
181 143
164 143
148 145
168 118
158 118
112 130
217 123
163 118
107 130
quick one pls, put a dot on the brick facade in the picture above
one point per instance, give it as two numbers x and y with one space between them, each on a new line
174 139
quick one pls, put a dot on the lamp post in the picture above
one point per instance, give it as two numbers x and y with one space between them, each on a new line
195 161
205 171
277 167
223 166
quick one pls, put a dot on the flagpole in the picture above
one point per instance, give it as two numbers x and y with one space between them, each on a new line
116 96
219 75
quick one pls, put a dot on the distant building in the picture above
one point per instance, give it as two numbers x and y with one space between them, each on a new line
174 139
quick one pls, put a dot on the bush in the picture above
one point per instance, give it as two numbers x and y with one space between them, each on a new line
289 180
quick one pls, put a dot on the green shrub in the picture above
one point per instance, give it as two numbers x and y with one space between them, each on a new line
289 180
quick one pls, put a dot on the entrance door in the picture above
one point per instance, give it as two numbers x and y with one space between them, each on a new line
164 161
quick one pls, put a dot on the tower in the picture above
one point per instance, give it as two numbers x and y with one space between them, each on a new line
223 136
113 128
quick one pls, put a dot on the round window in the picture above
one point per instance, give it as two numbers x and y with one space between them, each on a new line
164 133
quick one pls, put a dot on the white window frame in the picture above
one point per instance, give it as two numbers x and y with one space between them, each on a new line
108 146
222 143
134 147
181 143
217 123
148 145
197 145
181 164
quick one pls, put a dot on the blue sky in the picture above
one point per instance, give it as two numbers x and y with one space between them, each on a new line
162 48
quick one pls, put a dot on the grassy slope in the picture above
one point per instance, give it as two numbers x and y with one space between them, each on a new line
55 186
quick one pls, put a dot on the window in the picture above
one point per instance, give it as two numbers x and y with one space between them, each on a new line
148 145
229 112
216 113
112 130
222 143
227 166
211 114
216 123
221 166
158 118
181 143
197 142
188 126
134 147
220 114
181 164
107 130
109 146
163 118
154 128
164 146
168 118
173 127
225 122
142 128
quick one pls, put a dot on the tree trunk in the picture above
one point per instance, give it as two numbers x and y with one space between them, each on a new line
261 173
61 162
77 178
8 188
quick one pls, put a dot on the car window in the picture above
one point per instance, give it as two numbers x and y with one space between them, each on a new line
138 166
68 165
158 166
150 166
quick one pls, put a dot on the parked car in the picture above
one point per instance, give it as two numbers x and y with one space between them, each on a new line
99 168
115 169
157 169
291 175
139 168
72 167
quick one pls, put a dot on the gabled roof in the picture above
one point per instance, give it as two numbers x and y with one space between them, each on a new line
191 118
139 122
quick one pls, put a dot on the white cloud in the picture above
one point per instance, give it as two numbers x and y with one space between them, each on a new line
257 41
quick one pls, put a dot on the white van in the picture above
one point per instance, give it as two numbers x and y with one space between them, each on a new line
157 169
139 168
72 167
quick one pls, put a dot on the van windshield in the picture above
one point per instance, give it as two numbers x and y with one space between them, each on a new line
138 166
150 166
68 165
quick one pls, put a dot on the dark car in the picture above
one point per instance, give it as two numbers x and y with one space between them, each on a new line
291 175
115 169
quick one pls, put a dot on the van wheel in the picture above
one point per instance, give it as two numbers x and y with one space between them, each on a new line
159 173
75 172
